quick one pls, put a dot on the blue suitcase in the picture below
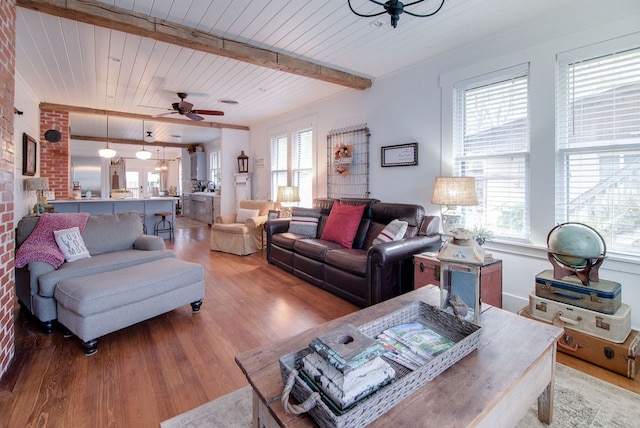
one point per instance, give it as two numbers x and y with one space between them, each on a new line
600 296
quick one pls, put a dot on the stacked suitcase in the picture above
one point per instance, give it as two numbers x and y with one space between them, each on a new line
597 324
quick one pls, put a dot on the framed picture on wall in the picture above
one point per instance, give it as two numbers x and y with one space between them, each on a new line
29 155
400 155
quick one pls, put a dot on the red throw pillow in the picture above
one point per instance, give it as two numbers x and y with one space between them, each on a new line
342 224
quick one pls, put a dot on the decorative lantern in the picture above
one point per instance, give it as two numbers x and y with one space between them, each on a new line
243 163
460 261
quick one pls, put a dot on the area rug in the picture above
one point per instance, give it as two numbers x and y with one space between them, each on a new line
580 401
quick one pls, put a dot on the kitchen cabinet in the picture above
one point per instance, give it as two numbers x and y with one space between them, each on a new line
186 205
198 164
202 207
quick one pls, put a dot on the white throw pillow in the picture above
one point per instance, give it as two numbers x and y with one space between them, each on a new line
393 232
71 244
245 214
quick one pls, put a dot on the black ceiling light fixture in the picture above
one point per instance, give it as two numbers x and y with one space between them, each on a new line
395 8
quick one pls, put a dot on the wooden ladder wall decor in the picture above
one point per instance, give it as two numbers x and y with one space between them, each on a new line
348 162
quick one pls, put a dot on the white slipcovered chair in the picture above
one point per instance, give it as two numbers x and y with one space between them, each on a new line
241 233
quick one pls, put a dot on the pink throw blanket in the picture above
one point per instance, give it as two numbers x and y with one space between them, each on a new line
41 245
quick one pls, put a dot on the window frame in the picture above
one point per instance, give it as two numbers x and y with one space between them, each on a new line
479 216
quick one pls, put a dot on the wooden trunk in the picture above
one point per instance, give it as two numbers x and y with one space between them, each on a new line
621 358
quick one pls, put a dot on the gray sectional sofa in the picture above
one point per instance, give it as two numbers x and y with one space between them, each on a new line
129 277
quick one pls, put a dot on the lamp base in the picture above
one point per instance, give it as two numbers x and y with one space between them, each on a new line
451 219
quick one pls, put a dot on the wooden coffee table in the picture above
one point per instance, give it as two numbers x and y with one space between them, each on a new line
494 386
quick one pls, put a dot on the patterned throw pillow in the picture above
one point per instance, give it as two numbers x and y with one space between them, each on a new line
393 232
71 244
304 221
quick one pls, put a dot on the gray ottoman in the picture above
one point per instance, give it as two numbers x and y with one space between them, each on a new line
94 305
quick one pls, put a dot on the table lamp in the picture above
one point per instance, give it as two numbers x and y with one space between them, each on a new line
454 192
39 184
287 195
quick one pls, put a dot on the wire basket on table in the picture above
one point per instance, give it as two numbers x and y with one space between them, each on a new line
466 336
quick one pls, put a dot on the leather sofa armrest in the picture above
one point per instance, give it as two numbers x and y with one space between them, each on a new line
280 225
394 251
430 226
149 243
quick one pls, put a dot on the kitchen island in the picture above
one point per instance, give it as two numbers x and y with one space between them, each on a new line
149 206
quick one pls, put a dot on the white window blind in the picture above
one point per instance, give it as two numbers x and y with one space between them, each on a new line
598 145
292 163
279 163
491 143
302 165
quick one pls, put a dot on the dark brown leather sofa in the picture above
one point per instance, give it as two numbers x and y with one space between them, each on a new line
365 274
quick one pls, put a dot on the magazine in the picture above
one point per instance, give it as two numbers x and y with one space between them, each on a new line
413 343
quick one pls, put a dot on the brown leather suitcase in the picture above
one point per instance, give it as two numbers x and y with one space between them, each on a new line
621 358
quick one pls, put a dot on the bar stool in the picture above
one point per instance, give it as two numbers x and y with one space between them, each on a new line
143 217
163 225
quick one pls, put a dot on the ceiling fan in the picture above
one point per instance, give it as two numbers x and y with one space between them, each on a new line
186 109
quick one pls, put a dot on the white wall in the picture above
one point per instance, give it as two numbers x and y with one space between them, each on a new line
415 105
28 122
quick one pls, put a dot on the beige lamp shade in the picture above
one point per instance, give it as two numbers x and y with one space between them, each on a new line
288 194
455 191
36 183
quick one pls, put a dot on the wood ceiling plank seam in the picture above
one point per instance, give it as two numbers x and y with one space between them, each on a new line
73 45
244 20
45 51
141 77
32 73
260 21
293 29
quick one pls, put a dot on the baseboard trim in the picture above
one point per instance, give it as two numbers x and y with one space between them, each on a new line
10 378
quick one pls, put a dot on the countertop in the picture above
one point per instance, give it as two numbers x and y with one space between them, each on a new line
74 201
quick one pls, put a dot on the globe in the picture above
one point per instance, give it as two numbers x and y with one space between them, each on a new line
573 244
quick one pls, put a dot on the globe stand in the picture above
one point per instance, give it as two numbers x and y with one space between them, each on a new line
585 274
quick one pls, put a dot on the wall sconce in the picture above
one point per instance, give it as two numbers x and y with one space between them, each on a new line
243 163
454 192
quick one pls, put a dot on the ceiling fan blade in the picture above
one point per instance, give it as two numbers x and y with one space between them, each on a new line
209 112
164 114
191 115
184 105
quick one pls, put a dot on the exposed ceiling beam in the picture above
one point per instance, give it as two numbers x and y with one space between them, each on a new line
104 15
128 141
129 115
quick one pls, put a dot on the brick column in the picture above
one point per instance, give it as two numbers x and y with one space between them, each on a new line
55 159
7 160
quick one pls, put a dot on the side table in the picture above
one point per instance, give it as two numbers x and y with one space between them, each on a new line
426 270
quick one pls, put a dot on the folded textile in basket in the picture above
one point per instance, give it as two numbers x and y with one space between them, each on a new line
346 389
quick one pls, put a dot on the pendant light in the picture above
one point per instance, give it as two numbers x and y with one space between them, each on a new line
157 167
143 154
164 166
107 152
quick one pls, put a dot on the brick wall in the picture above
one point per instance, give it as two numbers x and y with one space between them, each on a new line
7 160
55 160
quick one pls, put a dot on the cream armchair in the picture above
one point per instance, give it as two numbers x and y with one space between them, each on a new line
241 233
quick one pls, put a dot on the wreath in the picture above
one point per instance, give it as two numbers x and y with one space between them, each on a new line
342 159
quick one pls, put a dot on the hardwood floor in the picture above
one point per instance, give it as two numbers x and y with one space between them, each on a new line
154 370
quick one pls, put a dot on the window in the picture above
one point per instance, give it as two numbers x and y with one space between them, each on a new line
598 144
292 163
491 143
215 174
